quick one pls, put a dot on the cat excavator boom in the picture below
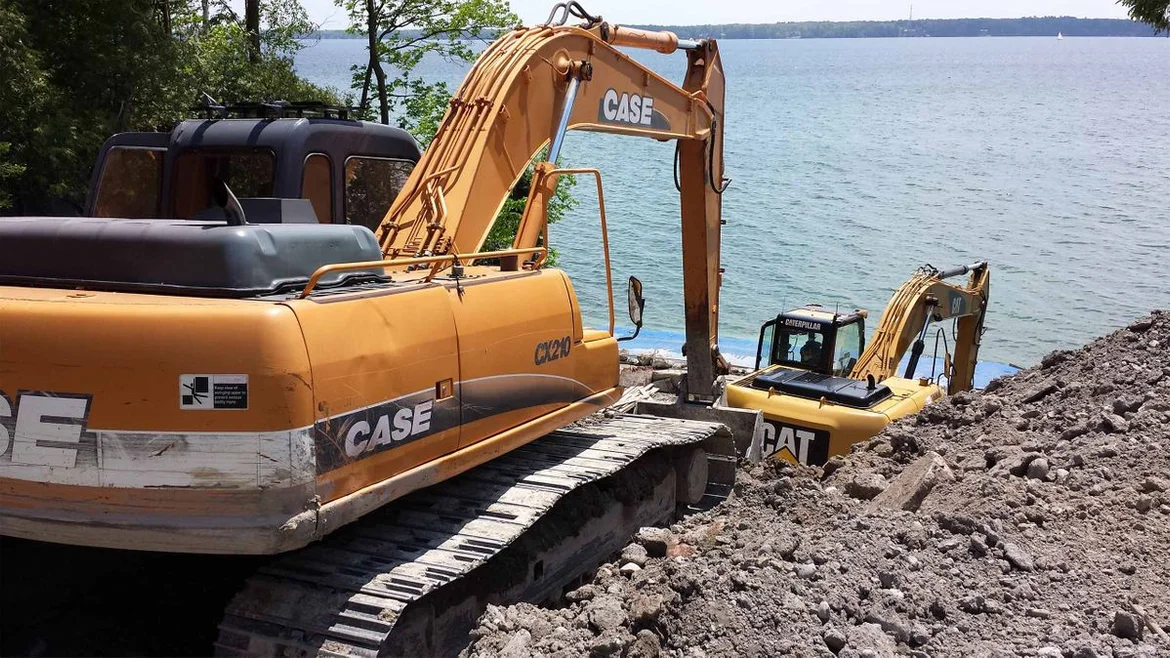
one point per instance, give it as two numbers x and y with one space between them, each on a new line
923 300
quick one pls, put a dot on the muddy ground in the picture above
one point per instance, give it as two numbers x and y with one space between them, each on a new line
1032 519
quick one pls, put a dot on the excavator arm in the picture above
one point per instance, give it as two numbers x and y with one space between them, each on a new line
924 299
524 92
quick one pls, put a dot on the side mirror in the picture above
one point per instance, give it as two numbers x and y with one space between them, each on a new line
637 304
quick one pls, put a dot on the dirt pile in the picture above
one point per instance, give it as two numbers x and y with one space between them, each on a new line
1030 519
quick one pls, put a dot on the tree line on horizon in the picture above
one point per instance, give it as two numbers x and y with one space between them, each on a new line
953 27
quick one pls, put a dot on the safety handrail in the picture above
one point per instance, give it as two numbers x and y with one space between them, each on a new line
421 260
604 229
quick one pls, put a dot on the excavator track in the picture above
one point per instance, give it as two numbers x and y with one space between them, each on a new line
413 577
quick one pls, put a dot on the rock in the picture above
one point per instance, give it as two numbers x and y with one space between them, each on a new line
1040 392
1127 625
823 611
1114 424
914 484
1038 468
889 579
806 570
629 569
1141 326
891 623
583 593
605 614
661 363
1054 358
646 609
1153 484
656 541
1017 557
871 636
1049 652
1126 404
517 647
646 645
635 553
973 604
1078 430
608 645
834 639
866 486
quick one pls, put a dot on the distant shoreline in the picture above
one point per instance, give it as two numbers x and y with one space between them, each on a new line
1046 26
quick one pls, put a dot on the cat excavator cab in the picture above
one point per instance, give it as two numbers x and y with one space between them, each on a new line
813 339
821 388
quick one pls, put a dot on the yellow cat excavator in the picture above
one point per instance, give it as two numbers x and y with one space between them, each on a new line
821 389
235 380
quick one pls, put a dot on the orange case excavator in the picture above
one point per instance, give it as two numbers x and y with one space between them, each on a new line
235 387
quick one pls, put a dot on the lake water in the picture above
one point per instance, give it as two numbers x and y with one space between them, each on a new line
854 161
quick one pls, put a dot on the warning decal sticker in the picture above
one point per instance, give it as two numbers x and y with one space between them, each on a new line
213 391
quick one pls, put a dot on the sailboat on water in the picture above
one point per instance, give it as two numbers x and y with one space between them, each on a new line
1059 36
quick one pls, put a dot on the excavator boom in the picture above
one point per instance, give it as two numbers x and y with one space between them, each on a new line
924 299
524 92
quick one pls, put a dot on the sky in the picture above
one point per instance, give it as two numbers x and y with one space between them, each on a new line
689 12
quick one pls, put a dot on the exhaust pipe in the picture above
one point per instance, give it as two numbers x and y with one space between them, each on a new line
962 269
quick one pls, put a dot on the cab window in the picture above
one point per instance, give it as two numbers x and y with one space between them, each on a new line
765 348
317 186
800 348
248 172
371 185
131 183
847 349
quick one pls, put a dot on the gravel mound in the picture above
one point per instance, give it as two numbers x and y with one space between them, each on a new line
1032 519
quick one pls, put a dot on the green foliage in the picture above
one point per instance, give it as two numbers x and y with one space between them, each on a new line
7 170
216 61
76 71
424 106
400 33
503 231
1154 12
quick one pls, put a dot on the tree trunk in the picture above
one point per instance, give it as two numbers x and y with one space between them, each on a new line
366 89
206 15
165 8
375 61
252 27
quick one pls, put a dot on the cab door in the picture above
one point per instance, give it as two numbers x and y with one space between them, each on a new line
767 338
516 348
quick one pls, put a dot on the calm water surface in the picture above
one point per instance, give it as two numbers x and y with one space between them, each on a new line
856 160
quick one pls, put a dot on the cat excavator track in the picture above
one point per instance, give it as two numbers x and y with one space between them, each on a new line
411 579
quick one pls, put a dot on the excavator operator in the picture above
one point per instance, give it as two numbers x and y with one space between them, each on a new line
810 352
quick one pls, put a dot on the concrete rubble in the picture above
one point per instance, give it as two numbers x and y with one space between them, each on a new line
1030 519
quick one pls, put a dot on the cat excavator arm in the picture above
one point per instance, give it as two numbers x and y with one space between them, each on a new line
524 92
924 299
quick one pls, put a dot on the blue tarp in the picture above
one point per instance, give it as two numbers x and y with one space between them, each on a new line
742 352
